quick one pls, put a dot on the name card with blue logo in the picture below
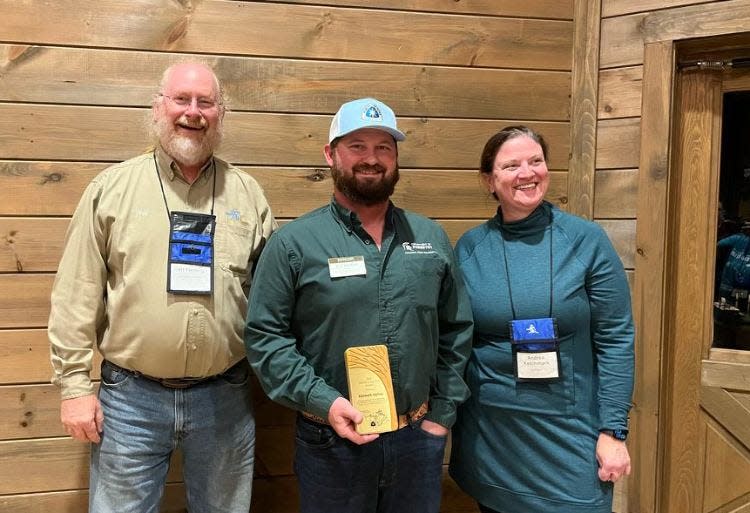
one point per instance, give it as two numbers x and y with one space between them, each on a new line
536 349
191 253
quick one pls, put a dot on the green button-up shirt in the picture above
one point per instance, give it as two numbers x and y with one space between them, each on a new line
412 299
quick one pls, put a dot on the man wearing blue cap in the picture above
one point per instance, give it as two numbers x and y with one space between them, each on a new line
362 272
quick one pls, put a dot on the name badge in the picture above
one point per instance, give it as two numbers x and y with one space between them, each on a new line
536 350
339 267
191 250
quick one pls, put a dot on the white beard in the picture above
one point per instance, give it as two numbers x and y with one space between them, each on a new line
188 151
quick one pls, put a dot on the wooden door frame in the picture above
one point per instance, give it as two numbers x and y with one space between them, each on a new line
657 485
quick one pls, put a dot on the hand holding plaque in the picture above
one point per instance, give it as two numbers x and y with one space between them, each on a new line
371 388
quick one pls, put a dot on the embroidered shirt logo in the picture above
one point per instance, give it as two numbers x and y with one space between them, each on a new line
233 215
417 247
531 330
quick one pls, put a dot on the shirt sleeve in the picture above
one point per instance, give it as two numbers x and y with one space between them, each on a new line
78 295
267 226
612 333
454 345
283 372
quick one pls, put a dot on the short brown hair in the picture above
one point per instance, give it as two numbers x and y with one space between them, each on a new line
494 143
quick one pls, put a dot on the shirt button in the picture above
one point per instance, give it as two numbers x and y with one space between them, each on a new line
195 312
193 347
367 242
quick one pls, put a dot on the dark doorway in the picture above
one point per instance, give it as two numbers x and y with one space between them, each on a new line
732 278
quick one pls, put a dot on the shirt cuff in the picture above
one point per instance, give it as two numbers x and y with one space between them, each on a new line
441 412
76 385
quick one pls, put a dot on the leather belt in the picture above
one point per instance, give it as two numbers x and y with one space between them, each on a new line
403 420
177 383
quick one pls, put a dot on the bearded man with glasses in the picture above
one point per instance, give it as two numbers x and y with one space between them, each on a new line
155 275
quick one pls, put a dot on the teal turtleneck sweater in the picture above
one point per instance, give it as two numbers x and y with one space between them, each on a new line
530 447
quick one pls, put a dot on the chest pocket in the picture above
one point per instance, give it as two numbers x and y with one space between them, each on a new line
234 245
425 273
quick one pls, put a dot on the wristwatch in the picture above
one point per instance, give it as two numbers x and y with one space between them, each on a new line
619 434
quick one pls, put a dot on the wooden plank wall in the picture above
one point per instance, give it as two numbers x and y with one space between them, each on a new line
76 79
618 131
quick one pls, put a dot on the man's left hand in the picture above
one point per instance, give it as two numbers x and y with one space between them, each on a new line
613 458
343 418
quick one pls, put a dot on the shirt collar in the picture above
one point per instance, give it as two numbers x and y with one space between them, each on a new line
171 169
351 220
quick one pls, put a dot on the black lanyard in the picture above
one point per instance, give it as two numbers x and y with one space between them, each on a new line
507 273
163 195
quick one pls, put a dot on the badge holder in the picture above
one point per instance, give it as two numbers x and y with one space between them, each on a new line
536 350
191 244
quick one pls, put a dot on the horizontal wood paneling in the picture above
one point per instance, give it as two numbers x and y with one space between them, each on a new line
291 192
77 80
25 357
616 193
51 464
45 132
622 41
618 143
31 244
252 28
76 501
24 301
30 411
44 188
718 354
125 78
562 9
618 7
723 17
731 375
620 92
35 244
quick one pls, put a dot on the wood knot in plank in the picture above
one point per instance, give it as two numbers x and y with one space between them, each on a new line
178 30
318 175
325 22
15 54
51 178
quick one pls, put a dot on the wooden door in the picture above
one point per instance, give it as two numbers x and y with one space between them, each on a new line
706 392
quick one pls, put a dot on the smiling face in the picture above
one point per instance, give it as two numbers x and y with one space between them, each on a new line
187 115
364 166
519 177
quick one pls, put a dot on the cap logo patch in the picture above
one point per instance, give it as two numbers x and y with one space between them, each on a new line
372 113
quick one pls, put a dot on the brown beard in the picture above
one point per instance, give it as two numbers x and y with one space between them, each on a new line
369 192
187 151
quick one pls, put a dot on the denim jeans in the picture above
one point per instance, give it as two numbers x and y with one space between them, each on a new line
212 423
400 472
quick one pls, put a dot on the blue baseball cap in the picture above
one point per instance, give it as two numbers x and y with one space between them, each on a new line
364 113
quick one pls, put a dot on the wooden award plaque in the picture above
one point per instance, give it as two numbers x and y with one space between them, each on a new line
371 388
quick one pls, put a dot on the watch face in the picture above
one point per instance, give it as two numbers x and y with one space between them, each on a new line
620 434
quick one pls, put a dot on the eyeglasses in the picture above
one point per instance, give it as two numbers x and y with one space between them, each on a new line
186 101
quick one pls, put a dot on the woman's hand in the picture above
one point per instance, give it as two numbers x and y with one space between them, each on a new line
613 458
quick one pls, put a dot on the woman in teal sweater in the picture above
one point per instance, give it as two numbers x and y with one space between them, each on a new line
551 369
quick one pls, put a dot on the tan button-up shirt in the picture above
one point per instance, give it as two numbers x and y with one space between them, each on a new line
111 285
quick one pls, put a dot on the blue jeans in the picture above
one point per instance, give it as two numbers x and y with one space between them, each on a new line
212 423
400 472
